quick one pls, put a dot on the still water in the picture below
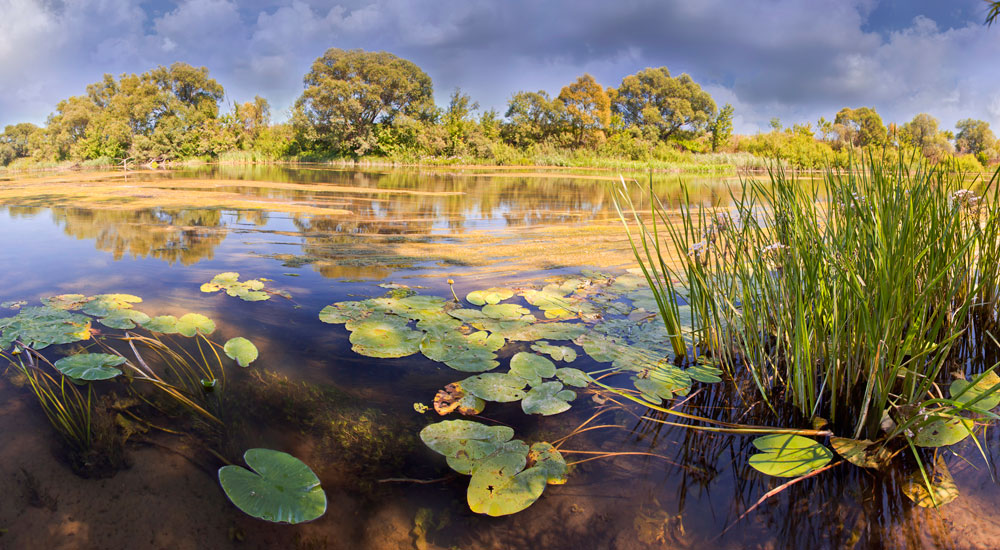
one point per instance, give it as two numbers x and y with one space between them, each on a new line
325 235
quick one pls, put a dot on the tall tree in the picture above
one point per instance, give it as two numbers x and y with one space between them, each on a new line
974 136
588 107
653 98
722 127
923 133
533 117
348 92
861 127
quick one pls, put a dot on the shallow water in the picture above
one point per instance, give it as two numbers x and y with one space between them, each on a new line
326 235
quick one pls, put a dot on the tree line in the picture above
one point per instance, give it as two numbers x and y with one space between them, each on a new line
374 104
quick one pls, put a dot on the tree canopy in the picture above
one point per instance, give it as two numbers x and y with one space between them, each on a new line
860 127
653 98
533 117
974 136
348 92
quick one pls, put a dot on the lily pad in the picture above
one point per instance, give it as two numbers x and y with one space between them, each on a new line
383 338
573 377
163 324
557 353
124 319
465 439
545 456
547 399
788 455
454 398
39 327
964 391
943 431
532 368
249 291
505 312
103 305
280 488
489 296
496 387
90 366
69 302
191 323
241 350
501 485
862 452
548 331
942 486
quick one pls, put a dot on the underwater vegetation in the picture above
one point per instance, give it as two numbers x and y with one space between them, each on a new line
868 302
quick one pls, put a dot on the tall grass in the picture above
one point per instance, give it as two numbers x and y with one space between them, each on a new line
853 298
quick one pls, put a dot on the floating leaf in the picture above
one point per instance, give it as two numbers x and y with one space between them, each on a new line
191 323
943 488
454 398
281 488
124 319
788 455
249 291
943 431
90 366
862 452
548 331
68 302
545 456
464 439
39 327
573 377
501 485
489 296
473 353
558 353
964 391
384 338
164 324
704 373
531 367
241 350
505 312
500 388
103 305
547 399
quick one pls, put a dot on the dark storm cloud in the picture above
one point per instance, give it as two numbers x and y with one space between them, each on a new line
797 60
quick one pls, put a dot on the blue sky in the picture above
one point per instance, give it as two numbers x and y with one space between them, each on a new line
797 60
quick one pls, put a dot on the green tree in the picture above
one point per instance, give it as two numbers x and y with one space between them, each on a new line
458 120
533 117
588 108
923 133
348 92
974 136
775 124
653 98
722 127
860 127
18 141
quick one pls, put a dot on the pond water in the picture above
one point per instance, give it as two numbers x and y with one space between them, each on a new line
326 235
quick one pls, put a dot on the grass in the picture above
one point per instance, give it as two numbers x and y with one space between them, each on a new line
853 299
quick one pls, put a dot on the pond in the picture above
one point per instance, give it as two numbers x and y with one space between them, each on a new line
315 236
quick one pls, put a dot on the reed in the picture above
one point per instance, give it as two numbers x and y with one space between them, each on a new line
852 297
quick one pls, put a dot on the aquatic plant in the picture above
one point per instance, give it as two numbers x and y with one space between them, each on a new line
252 290
278 487
854 299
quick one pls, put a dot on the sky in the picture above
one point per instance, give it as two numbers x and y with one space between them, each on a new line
796 60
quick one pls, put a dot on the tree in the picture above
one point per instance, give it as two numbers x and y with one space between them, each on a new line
775 124
653 98
533 117
974 136
348 92
588 107
18 141
722 127
923 133
458 119
860 127
992 12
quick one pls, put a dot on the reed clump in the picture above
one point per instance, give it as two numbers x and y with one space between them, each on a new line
858 297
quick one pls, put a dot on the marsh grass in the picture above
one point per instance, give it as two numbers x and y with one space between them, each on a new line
853 298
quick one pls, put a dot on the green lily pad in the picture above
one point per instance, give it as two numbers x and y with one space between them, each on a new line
103 305
942 486
547 399
943 431
249 291
964 391
558 353
163 324
191 323
496 387
39 327
704 373
472 353
383 338
545 456
532 368
241 350
489 296
573 377
464 439
69 302
454 398
500 484
788 455
124 319
280 488
548 331
90 366
505 312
